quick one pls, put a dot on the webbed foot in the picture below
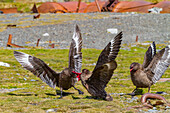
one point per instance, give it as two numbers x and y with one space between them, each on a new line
80 92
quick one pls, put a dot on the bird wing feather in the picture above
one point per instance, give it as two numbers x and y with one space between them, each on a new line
150 53
75 55
106 64
38 68
159 64
110 52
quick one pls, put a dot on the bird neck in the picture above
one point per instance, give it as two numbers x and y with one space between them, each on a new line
78 75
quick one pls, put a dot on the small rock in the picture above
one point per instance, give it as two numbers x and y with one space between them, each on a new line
153 111
17 74
32 80
145 43
167 107
117 94
134 98
93 64
4 64
112 30
154 108
51 110
46 34
125 49
25 79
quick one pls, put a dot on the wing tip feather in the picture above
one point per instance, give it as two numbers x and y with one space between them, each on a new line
168 46
77 29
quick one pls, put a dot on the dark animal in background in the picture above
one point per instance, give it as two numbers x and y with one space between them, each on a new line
13 25
36 16
96 81
64 80
34 9
152 69
1 12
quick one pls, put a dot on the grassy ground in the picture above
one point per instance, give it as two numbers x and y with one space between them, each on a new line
36 96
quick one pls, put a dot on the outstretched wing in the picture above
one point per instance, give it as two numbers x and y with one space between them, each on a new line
106 64
75 55
38 68
110 52
159 64
150 53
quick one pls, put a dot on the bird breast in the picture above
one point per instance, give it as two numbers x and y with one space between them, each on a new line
140 79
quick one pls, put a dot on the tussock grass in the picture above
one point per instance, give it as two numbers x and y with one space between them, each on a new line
36 96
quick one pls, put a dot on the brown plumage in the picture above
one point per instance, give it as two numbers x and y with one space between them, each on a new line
36 16
152 69
96 81
64 80
34 9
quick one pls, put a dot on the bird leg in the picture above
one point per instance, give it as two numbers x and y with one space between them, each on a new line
61 90
134 90
80 92
148 89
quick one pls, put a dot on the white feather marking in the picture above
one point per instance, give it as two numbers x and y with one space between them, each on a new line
108 65
162 65
159 71
76 56
111 46
46 79
24 60
168 57
76 38
152 49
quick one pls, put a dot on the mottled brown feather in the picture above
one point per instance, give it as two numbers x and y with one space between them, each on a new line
150 53
159 64
38 68
103 71
75 54
153 68
66 79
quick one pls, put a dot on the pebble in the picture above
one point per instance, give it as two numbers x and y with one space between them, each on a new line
32 80
152 111
132 99
4 64
112 30
51 110
46 34
25 79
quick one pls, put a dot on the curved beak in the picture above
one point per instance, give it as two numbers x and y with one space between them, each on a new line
131 69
